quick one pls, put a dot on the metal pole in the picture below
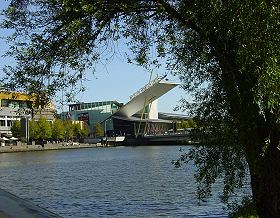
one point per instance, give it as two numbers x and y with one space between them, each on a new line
27 128
105 128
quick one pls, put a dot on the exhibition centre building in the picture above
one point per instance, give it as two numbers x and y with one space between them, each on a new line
139 116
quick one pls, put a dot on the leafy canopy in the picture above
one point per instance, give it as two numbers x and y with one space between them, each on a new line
55 41
98 130
16 129
58 129
226 54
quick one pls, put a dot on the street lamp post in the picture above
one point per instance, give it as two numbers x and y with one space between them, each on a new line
27 118
105 128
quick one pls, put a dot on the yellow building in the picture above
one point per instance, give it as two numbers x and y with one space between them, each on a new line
15 105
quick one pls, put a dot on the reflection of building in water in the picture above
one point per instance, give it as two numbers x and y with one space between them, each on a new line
137 117
15 105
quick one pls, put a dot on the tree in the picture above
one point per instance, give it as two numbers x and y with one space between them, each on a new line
69 130
34 131
77 130
58 130
45 128
85 130
16 129
98 130
191 124
225 52
80 130
185 124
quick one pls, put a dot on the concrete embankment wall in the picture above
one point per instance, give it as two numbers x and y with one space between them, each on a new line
13 206
24 147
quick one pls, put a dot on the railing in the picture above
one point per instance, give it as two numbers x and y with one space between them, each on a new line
156 80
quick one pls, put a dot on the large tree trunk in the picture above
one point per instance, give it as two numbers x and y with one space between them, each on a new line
260 138
258 134
268 203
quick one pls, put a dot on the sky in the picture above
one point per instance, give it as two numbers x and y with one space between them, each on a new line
115 80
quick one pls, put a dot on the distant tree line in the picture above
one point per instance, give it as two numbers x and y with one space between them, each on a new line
186 124
98 130
58 130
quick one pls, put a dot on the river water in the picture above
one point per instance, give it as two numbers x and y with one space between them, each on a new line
106 182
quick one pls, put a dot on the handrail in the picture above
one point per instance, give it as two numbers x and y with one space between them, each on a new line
156 80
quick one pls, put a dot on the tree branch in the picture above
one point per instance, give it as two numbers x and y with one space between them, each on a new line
174 14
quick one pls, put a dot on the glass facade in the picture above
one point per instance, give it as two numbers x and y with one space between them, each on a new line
93 113
102 105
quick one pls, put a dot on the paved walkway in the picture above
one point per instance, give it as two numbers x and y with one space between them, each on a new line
12 206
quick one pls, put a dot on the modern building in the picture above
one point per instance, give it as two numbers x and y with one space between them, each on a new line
137 117
15 105
140 115
93 113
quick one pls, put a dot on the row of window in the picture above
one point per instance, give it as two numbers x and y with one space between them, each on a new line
15 103
7 117
9 123
94 106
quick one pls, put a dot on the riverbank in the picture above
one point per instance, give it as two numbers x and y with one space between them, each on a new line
13 206
50 146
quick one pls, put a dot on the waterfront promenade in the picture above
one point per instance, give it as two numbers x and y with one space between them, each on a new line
46 147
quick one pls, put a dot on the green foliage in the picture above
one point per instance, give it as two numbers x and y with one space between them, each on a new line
185 124
84 130
69 130
44 127
58 130
80 130
34 131
98 130
77 130
247 209
16 129
226 54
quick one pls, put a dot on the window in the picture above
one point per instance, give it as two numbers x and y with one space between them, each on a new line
2 122
10 123
4 103
14 104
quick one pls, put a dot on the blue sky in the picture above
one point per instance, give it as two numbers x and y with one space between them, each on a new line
116 80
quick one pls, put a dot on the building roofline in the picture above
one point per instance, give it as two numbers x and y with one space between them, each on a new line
136 119
145 96
10 95
171 115
95 102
